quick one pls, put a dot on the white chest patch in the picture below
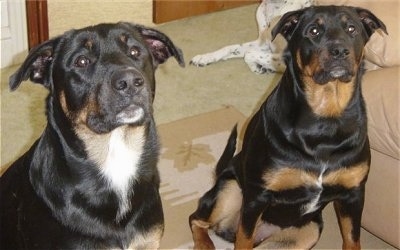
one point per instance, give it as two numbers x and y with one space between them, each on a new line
313 204
125 149
121 160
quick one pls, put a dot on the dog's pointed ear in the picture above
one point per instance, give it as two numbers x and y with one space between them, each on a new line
287 24
370 21
161 46
36 66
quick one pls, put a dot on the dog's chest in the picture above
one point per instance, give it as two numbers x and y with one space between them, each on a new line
125 149
123 157
309 189
118 157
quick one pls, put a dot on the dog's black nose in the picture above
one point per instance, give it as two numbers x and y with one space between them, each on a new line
339 52
127 80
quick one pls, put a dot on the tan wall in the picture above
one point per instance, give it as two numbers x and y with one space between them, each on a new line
68 14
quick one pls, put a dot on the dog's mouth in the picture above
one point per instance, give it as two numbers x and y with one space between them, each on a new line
338 72
342 73
133 114
104 122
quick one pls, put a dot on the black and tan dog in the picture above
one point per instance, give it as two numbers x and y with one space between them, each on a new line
306 146
91 180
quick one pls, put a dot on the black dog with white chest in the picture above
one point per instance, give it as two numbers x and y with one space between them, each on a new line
91 180
307 145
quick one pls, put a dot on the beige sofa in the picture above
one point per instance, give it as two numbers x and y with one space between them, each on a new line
381 88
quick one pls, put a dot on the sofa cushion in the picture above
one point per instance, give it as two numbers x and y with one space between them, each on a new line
381 90
381 50
381 210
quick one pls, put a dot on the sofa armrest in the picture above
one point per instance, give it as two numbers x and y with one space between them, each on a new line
381 90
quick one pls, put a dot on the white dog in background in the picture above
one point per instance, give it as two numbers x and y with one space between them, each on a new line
261 55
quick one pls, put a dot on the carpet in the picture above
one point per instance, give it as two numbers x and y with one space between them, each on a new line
190 150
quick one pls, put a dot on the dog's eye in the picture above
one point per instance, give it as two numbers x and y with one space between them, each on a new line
314 31
134 52
82 61
351 29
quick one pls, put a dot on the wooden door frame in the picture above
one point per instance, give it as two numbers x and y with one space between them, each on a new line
191 8
37 21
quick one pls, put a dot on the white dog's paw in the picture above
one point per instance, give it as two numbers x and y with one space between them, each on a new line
263 68
225 53
264 61
203 60
260 69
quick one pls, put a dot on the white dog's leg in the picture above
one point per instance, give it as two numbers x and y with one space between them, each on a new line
263 59
228 52
260 55
262 17
236 50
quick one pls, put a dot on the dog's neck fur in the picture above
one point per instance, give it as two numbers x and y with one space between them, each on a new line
289 96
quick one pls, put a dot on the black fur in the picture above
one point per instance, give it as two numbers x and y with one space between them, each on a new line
325 44
100 79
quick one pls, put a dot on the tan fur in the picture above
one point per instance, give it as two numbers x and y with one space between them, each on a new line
330 99
200 235
288 178
76 118
227 208
123 38
148 240
349 177
97 144
224 216
63 103
291 178
242 240
346 228
326 100
293 238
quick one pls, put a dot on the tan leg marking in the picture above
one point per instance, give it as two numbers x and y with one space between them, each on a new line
227 208
200 235
346 228
242 241
225 216
149 240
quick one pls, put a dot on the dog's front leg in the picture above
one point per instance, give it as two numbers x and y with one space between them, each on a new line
349 213
252 210
200 235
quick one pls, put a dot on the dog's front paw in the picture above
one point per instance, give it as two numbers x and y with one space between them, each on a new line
268 63
202 60
260 69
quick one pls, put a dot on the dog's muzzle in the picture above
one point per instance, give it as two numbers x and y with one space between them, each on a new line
338 64
129 84
339 55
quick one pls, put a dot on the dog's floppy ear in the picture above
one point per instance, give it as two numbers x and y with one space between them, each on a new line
160 46
287 24
36 66
370 21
